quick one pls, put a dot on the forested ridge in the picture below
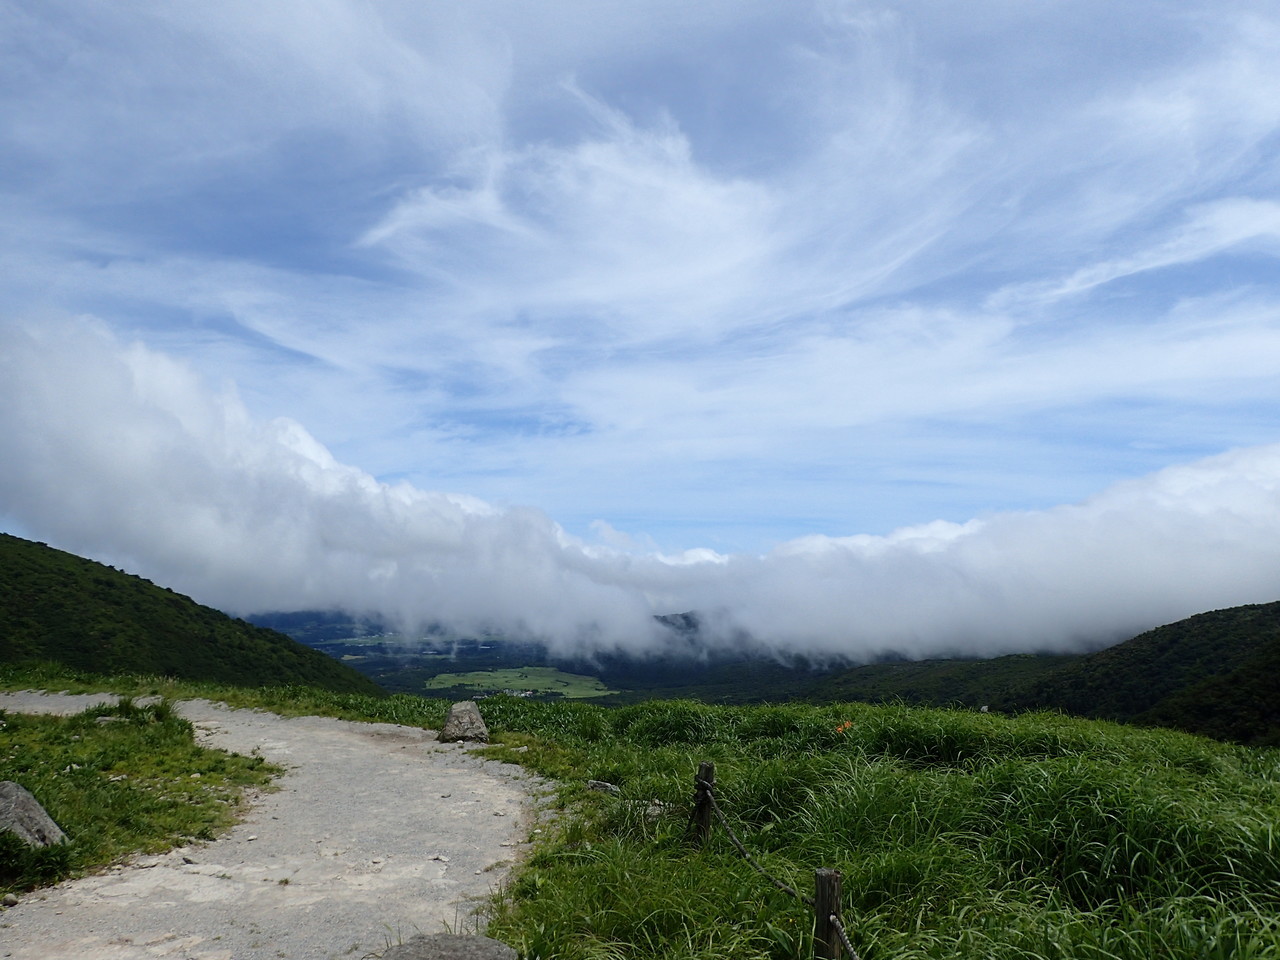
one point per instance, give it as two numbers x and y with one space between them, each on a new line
55 606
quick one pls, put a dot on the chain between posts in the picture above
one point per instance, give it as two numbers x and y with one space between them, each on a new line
733 838
827 920
834 920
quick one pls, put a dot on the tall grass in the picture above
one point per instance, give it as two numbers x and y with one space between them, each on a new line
958 834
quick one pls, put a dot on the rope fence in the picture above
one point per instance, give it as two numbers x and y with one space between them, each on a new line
829 935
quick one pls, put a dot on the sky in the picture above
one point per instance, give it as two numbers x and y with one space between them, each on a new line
859 328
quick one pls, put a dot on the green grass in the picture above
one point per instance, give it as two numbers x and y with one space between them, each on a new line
571 686
959 834
136 782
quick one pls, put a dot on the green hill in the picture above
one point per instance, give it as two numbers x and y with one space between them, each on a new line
1216 673
55 606
940 683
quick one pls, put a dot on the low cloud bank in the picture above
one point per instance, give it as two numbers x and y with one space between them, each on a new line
124 454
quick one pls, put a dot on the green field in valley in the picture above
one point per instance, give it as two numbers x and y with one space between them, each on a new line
572 686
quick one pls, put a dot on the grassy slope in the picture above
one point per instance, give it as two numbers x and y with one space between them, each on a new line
59 607
971 683
116 788
960 835
1214 673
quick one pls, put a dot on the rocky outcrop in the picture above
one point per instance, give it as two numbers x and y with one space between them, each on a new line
22 815
464 723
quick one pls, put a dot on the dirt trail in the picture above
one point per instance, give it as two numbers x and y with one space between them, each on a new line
377 833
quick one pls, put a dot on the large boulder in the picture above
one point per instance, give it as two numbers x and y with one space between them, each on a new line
22 815
449 946
464 723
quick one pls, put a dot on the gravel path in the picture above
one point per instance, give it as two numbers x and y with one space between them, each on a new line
377 833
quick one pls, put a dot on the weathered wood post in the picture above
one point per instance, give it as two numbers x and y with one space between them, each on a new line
702 813
826 903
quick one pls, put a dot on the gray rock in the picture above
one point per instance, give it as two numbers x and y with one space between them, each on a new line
22 815
464 723
604 786
449 946
10 900
657 810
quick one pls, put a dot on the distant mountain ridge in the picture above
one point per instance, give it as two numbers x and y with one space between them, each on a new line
55 606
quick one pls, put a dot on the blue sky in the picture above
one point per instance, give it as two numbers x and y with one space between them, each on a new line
661 296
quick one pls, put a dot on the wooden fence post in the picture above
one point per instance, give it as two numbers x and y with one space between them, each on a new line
826 903
702 813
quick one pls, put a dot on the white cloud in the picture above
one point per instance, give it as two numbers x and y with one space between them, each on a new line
1210 229
123 453
620 231
722 274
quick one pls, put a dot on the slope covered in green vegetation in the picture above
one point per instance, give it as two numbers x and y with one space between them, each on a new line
939 683
1214 673
55 606
958 834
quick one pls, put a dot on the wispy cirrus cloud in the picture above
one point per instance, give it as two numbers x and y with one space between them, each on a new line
719 277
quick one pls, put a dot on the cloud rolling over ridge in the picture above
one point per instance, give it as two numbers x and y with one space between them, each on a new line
127 455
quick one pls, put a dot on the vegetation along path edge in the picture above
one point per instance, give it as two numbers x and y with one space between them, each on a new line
377 832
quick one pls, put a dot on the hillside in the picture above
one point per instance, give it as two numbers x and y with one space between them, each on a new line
60 607
940 683
1215 673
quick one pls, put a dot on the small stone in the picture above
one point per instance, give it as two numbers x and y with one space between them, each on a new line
10 900
252 836
464 723
604 786
498 813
